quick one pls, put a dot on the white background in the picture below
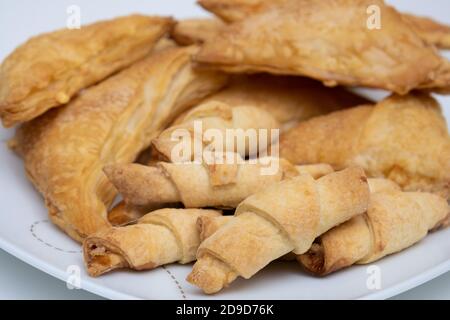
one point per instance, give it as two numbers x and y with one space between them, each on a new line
20 19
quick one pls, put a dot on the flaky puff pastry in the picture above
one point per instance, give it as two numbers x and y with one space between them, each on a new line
195 31
66 149
331 42
286 98
284 217
258 103
394 221
431 31
403 138
158 238
48 70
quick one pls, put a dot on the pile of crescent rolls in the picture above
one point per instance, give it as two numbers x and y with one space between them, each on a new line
351 180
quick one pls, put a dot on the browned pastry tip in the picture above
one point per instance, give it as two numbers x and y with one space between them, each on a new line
142 185
210 274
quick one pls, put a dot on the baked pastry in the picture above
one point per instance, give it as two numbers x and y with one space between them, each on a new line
195 31
329 41
208 127
429 30
394 221
196 185
237 10
288 99
403 138
158 238
123 214
207 226
316 170
284 217
358 237
146 189
66 149
50 69
249 102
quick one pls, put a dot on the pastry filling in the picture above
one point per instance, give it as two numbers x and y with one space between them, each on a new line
314 259
102 260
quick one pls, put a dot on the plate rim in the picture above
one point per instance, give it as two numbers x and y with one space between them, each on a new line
112 294
53 271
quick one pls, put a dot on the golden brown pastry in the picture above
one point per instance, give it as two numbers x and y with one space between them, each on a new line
208 127
331 42
137 183
288 99
316 170
160 237
237 10
429 30
66 149
284 217
48 70
144 189
394 221
123 214
196 185
251 102
195 31
208 225
345 244
403 138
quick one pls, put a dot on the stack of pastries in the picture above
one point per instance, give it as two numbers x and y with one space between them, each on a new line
355 180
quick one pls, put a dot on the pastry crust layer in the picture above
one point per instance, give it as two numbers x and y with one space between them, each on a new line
66 149
329 41
50 69
403 138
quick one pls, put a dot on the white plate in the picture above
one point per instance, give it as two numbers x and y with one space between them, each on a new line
26 233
